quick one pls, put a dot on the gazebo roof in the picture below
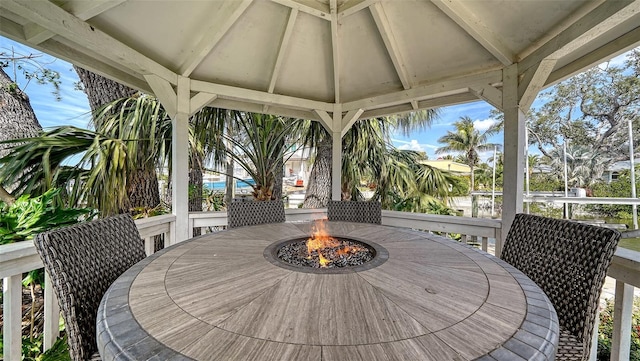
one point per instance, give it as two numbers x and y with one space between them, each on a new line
311 58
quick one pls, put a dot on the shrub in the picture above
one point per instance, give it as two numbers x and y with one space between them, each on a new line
605 331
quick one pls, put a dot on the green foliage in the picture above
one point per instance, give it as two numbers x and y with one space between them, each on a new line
590 111
214 200
545 182
605 331
620 187
32 350
31 68
266 144
28 216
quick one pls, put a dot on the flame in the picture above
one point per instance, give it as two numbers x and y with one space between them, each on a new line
323 261
321 241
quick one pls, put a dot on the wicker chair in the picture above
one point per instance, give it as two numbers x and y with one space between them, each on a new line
83 260
349 211
569 261
250 213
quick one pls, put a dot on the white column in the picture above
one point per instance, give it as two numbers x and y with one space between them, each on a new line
12 327
622 313
514 138
51 314
336 167
180 162
336 154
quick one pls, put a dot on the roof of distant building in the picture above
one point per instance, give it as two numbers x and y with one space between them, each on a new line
449 165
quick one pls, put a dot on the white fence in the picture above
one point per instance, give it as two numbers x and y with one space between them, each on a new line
18 258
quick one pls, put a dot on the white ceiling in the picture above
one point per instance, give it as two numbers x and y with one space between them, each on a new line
308 58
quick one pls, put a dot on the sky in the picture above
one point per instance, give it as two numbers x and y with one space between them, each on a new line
73 108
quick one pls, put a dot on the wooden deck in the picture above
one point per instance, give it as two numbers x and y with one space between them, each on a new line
216 297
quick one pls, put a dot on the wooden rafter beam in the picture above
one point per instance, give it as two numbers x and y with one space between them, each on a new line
259 97
284 45
476 28
432 90
596 22
84 35
597 56
83 10
218 27
71 54
424 104
353 7
314 8
384 28
335 45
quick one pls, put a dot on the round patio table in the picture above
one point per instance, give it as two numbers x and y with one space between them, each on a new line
220 297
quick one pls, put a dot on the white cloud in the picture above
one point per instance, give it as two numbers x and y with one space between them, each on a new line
413 144
483 125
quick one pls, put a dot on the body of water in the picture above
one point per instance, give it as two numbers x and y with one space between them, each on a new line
222 184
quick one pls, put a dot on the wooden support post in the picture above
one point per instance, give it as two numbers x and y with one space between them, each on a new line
622 313
180 162
51 313
12 311
514 137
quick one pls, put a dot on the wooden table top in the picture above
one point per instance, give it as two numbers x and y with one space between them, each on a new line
216 297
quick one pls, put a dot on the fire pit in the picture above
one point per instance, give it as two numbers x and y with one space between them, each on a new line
323 253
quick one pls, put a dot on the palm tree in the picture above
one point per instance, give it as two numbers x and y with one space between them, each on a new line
585 165
468 141
265 144
360 146
398 176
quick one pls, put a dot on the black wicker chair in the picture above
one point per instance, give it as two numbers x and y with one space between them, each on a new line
83 260
569 261
250 213
350 211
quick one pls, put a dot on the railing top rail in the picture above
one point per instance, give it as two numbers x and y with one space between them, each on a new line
484 222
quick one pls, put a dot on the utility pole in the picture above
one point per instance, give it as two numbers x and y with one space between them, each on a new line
493 188
566 180
526 159
633 176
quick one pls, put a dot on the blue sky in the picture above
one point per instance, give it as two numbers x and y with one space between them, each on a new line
73 108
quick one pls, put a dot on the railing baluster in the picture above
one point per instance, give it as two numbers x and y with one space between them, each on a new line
622 314
485 243
12 313
149 245
51 314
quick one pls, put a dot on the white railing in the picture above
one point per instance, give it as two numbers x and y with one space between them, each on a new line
18 258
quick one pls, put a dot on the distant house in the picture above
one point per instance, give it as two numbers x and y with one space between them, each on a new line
449 165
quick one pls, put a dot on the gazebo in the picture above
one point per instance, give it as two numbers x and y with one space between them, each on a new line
333 61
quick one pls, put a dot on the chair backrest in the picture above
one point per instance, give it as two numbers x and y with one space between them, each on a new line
350 211
569 261
83 260
250 213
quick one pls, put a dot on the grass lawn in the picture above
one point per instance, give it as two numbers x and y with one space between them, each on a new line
631 243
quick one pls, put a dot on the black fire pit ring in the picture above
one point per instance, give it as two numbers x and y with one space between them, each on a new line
380 256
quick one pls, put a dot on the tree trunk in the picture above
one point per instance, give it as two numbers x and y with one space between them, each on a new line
142 185
318 191
143 189
195 187
473 179
101 90
230 182
17 120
